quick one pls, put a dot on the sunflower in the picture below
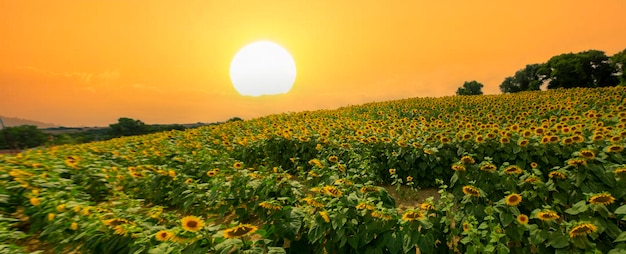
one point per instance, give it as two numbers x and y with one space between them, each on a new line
620 171
602 198
192 223
582 229
61 208
471 191
479 139
333 158
557 174
513 199
312 202
238 165
380 215
427 206
366 206
532 179
522 219
597 137
523 142
467 159
163 235
458 167
615 149
412 215
409 179
324 215
51 216
547 215
343 182
270 205
367 189
332 190
505 140
392 171
211 173
74 226
429 151
488 167
588 154
545 139
534 165
466 226
513 170
240 230
567 141
575 162
116 222
578 138
35 201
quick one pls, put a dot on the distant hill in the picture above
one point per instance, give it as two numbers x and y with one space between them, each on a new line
11 121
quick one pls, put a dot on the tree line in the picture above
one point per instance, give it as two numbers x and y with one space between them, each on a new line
592 68
29 136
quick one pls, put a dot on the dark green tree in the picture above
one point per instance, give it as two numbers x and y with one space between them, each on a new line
128 127
527 79
619 59
470 88
585 69
22 137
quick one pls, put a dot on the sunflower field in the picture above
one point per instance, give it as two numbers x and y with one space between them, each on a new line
533 172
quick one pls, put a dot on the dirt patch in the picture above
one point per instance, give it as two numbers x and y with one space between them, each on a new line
407 198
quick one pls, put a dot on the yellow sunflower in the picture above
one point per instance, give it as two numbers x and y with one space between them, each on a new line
34 201
238 165
513 169
270 205
74 226
163 235
367 189
412 215
588 154
557 174
615 149
467 159
324 215
333 158
333 191
522 219
365 206
513 199
602 198
471 191
488 167
547 215
582 229
192 223
458 167
240 230
575 162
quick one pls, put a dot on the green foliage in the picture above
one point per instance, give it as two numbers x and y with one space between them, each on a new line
585 69
128 127
21 137
470 88
619 59
527 79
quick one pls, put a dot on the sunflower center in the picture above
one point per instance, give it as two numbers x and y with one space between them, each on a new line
192 224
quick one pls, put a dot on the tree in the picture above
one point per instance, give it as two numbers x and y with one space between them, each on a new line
527 79
128 127
470 88
619 59
585 69
21 137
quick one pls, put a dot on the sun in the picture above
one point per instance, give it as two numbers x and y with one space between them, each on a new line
262 68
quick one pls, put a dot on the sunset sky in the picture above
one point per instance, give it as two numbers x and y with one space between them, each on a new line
87 63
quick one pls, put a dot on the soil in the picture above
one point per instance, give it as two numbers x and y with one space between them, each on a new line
407 198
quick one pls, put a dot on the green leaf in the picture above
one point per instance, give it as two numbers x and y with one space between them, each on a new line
620 238
621 210
558 240
577 208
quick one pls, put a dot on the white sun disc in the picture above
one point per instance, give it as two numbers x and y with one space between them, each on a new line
262 68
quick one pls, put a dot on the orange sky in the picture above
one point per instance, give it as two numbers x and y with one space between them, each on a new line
87 63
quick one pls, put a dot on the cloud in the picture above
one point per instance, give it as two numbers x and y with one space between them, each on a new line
91 80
